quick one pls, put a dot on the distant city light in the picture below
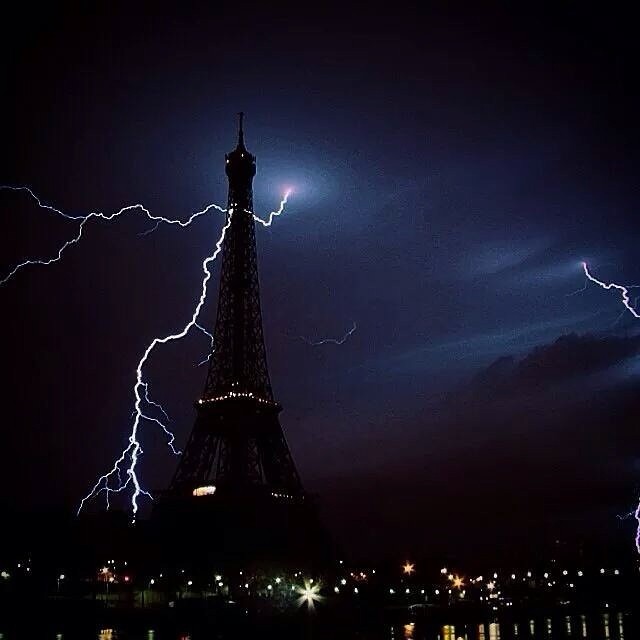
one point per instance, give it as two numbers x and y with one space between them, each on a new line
309 594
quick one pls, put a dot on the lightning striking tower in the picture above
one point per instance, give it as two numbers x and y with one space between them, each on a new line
236 477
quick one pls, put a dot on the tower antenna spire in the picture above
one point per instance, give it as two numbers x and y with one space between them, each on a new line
240 129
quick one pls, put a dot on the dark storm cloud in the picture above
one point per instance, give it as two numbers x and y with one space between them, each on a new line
568 358
544 444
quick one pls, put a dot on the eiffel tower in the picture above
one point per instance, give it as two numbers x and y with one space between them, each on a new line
236 485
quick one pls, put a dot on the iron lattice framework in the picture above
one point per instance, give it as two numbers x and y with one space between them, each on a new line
237 444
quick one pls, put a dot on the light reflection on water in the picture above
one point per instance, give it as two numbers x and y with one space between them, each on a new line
603 627
593 627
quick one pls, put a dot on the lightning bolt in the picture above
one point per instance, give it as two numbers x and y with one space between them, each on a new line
264 223
624 290
623 313
277 212
210 336
626 301
132 452
338 341
161 424
84 219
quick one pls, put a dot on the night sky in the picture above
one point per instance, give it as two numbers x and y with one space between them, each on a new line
451 168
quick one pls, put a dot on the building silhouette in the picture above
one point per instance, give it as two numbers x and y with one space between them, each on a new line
236 494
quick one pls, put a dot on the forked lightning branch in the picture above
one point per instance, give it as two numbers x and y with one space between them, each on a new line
124 474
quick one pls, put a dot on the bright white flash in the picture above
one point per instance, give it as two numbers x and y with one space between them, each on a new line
128 459
337 341
94 214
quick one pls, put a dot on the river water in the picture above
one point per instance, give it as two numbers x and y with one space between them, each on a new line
602 626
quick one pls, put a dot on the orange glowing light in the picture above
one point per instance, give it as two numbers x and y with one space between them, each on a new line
408 568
